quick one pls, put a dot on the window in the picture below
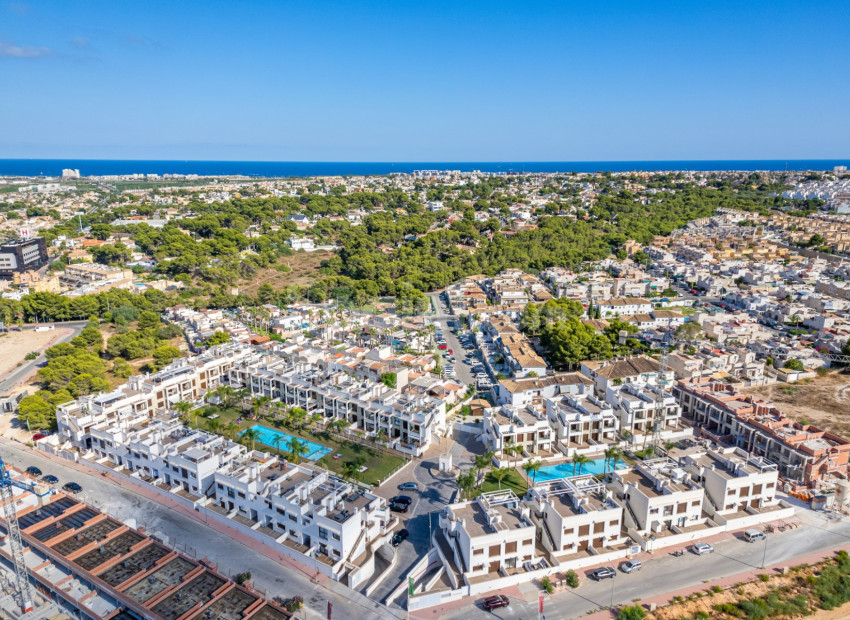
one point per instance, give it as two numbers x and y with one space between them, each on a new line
335 536
510 547
478 552
323 533
598 527
495 550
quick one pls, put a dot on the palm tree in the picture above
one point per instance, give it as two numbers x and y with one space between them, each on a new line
182 407
257 403
516 450
241 394
315 420
535 467
465 482
350 471
251 435
297 447
277 441
214 425
579 460
230 430
483 461
499 475
298 416
527 467
795 319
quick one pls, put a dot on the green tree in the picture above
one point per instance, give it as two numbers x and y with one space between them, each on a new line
795 364
297 448
121 368
498 475
36 413
165 355
389 379
148 320
218 337
251 435
631 612
579 461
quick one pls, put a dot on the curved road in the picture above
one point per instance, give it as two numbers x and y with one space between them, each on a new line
28 367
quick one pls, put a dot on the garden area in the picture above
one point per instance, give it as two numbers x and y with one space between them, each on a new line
348 458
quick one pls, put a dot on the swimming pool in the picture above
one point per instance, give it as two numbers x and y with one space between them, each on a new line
568 470
269 436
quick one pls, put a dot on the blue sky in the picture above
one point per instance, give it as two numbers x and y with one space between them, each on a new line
426 81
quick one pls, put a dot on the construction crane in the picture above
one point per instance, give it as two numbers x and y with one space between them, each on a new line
16 547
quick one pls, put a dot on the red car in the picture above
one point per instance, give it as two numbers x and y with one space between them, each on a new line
494 602
442 347
451 352
38 436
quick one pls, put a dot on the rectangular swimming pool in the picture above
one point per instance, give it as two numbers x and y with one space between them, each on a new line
269 436
568 470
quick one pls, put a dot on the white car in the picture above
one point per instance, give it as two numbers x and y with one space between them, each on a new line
703 548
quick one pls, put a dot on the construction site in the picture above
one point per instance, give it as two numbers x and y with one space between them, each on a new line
60 558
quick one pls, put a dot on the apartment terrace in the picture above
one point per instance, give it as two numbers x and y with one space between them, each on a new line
575 496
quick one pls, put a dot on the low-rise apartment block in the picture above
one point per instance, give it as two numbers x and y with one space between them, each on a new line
804 454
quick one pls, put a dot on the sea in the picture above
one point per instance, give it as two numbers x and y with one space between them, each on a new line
267 169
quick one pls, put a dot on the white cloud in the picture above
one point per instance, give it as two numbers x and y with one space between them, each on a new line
8 50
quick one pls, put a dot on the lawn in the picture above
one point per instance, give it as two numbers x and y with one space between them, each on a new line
379 464
513 481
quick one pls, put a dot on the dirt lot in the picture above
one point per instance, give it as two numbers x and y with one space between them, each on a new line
789 585
823 401
15 345
304 266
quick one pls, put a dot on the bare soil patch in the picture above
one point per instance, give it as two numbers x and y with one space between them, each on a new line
15 346
823 401
304 269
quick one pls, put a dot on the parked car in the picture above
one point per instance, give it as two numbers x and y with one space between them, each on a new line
702 548
631 566
399 507
495 602
72 487
754 535
408 486
402 499
442 346
38 436
605 572
50 479
399 537
32 470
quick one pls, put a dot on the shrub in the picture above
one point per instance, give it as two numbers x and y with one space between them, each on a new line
730 609
31 356
546 584
243 577
702 615
294 604
764 577
572 579
632 612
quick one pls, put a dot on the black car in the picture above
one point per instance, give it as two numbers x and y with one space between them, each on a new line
72 487
398 507
606 572
399 537
50 479
32 470
402 499
494 602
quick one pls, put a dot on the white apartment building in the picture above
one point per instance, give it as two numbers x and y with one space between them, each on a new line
411 421
490 535
623 305
581 420
519 426
577 515
659 495
533 390
734 480
643 409
301 505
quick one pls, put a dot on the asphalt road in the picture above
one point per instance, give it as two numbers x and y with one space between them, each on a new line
196 540
435 491
665 573
27 367
462 369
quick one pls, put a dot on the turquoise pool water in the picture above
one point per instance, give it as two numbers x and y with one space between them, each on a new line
269 436
568 470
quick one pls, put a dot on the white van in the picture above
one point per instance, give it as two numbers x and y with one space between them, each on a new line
754 535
